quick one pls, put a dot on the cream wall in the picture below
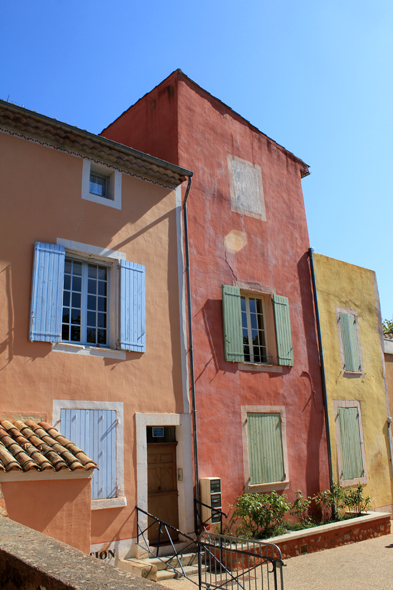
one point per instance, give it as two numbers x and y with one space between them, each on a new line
41 201
347 286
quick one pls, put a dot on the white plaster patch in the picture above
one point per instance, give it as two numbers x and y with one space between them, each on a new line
245 180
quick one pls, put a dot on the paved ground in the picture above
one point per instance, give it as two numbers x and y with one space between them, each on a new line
366 565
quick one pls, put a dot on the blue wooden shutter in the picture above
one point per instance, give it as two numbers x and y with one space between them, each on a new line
232 321
132 307
283 331
94 431
47 293
265 448
350 342
351 452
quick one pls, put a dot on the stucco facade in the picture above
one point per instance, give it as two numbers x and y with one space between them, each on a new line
248 237
44 167
355 376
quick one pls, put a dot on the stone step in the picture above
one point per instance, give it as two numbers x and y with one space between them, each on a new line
186 559
139 567
169 574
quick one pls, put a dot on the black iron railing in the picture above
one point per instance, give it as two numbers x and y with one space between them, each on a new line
224 562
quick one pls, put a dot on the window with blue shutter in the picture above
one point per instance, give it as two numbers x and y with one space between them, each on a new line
266 460
132 307
245 318
47 292
348 327
70 300
94 431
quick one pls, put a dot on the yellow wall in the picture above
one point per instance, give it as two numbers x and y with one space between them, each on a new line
350 287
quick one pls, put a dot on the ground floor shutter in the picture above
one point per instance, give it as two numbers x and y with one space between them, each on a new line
265 448
351 452
94 431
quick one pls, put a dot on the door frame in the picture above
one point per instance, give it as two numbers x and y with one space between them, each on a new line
184 461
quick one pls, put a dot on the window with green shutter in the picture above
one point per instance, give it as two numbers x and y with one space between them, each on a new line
257 328
349 340
349 433
265 448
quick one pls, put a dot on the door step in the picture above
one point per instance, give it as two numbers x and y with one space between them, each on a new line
157 570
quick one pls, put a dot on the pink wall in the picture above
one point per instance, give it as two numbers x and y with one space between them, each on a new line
60 509
275 256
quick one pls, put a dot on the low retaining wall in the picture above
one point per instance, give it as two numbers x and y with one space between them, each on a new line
30 560
373 524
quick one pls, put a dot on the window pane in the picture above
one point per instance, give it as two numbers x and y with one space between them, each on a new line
67 282
243 303
101 320
98 185
92 286
77 268
91 335
102 272
68 265
65 334
101 304
66 315
101 288
92 271
76 283
101 337
66 298
91 318
75 333
76 316
91 302
252 306
76 300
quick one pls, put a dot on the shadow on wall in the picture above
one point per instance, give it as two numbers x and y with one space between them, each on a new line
8 343
312 379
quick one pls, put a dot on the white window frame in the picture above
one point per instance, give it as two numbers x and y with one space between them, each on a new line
270 486
349 404
110 258
114 184
247 297
350 374
59 405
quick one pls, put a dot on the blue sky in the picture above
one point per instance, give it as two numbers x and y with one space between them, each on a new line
315 76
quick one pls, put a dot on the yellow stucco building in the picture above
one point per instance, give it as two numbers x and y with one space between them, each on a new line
356 389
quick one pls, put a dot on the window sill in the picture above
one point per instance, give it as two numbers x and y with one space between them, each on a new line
109 503
344 483
84 350
259 367
352 374
268 487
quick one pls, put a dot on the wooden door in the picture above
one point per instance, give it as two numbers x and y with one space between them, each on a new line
162 487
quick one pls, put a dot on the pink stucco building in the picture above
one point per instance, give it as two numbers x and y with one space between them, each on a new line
259 406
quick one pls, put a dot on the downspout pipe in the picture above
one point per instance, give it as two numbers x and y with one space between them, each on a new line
190 340
322 365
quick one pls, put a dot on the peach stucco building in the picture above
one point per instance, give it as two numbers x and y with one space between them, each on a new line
92 329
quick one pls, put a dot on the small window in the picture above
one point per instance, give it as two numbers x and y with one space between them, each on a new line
350 445
99 185
253 326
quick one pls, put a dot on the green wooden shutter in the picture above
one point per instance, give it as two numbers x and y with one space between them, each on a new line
350 342
232 320
351 452
265 448
283 331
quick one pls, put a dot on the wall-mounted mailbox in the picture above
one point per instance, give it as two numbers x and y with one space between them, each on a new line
210 488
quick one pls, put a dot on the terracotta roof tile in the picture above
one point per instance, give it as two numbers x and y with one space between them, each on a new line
28 446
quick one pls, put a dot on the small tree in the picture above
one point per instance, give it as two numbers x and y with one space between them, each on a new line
387 326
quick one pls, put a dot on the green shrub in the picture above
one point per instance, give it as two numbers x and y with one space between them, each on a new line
260 514
300 509
355 501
